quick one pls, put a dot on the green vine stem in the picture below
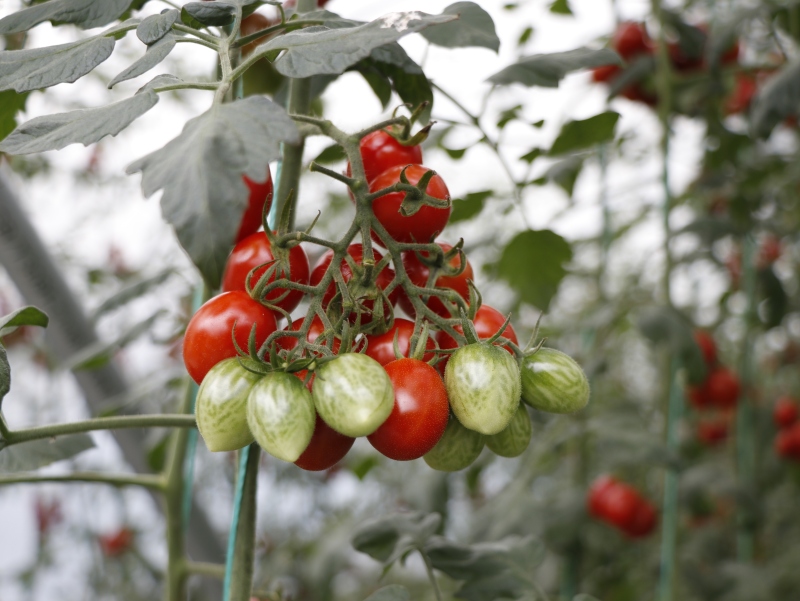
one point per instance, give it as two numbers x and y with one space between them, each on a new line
119 480
239 575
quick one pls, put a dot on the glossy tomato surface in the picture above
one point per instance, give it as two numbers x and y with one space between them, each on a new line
723 387
418 273
422 226
420 413
380 151
258 200
381 346
326 449
488 321
597 492
208 339
255 250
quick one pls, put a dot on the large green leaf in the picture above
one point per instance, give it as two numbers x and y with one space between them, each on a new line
407 79
579 135
389 538
156 52
533 265
547 70
84 126
11 104
320 50
84 13
26 316
27 456
201 172
470 206
215 14
473 28
155 27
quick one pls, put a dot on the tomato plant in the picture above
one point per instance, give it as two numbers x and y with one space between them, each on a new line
786 412
380 151
487 322
553 381
419 272
116 543
381 346
259 202
457 449
325 449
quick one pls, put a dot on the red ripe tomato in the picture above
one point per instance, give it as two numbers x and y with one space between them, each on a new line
707 345
114 545
260 196
422 226
381 346
597 492
208 340
787 443
418 273
769 251
317 327
606 73
631 39
356 251
255 250
420 413
681 61
488 321
619 504
380 151
326 449
712 432
252 24
786 412
48 514
723 387
643 520
698 395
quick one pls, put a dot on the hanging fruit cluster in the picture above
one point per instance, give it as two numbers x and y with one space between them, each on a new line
622 506
440 384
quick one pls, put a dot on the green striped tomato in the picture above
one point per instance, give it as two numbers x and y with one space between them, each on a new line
458 448
483 385
516 436
281 416
222 406
553 381
353 394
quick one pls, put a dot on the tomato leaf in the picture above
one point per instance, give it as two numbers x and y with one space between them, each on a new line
470 206
579 135
406 76
155 27
131 292
320 50
776 301
84 126
5 373
26 316
28 456
560 7
155 53
474 27
215 14
83 13
388 538
393 592
547 70
667 326
776 100
11 104
201 172
533 265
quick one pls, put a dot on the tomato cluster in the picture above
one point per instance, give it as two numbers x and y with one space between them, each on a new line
622 506
785 414
440 387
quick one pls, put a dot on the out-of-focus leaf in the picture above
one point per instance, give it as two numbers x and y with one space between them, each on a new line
83 13
547 70
777 99
531 156
131 292
470 206
533 265
564 173
28 456
11 104
26 316
474 27
561 7
666 325
579 135
393 63
393 592
332 154
84 126
214 14
776 302
711 229
389 538
5 373
525 36
154 54
155 27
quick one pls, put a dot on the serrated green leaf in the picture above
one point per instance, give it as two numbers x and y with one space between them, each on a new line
213 14
11 104
84 126
201 172
561 7
155 27
154 54
474 27
406 76
320 50
533 265
470 206
84 13
378 82
388 538
579 135
547 70
393 592
28 456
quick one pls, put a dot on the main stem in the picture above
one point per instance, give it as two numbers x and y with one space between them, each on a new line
241 575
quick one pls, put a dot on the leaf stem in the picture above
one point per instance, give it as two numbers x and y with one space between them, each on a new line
194 85
199 34
240 567
146 480
198 41
205 568
431 575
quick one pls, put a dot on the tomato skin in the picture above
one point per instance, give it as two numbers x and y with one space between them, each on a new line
458 448
643 521
353 394
787 443
597 491
260 196
317 327
606 73
422 226
487 322
117 543
380 151
553 381
418 273
208 340
255 250
707 345
723 387
381 346
419 415
712 432
222 406
326 449
622 506
632 39
515 438
786 412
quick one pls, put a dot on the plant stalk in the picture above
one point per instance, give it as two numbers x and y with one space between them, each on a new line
241 554
118 480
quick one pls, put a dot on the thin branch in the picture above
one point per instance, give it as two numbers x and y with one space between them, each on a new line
118 480
192 31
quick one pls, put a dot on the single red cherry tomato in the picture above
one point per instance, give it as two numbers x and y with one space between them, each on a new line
255 250
787 443
597 492
488 322
643 521
418 273
682 61
707 345
260 196
420 413
619 504
380 151
723 387
326 449
712 432
631 39
422 226
381 346
208 339
356 251
786 412
606 73
316 328
698 395
117 543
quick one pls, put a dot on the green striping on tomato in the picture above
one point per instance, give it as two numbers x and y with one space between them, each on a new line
353 394
222 406
515 438
458 448
281 416
553 381
483 384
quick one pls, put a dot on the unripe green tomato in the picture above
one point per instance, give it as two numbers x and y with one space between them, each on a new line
281 416
483 385
553 381
353 394
458 448
516 436
222 406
